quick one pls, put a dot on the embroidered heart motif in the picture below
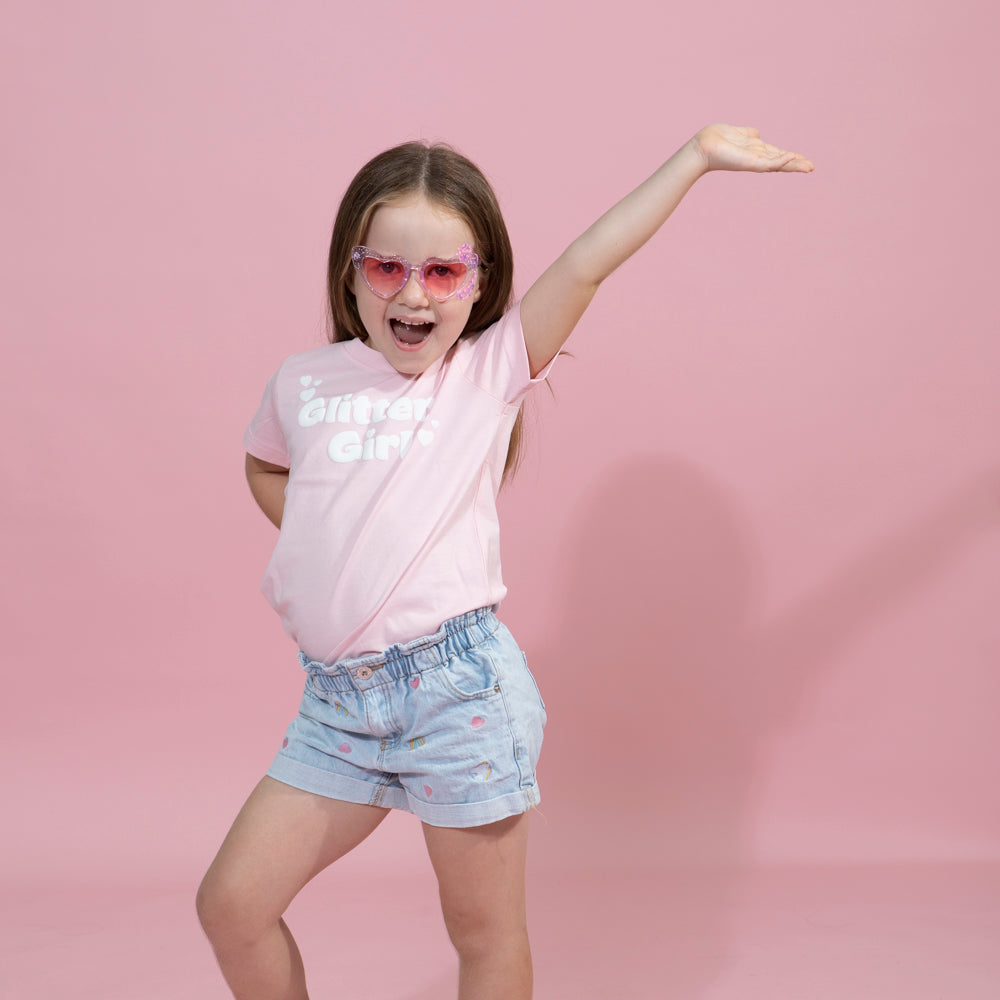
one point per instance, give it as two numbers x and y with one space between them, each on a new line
415 683
478 721
306 380
344 748
428 790
307 394
284 743
425 436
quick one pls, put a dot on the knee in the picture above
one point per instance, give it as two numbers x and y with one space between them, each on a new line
223 910
210 905
478 932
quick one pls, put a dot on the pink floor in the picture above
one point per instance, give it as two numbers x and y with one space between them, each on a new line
923 932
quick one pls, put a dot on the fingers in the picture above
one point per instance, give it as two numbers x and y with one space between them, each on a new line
789 163
774 158
797 164
784 160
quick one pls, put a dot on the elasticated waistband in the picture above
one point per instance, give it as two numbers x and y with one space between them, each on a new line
456 636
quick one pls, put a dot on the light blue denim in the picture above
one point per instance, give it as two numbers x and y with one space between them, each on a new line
448 727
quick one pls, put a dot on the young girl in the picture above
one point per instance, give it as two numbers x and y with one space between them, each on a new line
379 456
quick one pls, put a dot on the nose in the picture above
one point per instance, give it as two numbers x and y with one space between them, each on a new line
412 293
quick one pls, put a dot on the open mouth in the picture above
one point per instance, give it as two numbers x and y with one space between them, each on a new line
410 335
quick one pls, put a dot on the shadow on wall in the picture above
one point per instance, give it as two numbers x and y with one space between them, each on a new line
666 683
653 667
645 765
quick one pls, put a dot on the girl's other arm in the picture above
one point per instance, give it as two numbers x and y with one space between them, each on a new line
551 307
267 484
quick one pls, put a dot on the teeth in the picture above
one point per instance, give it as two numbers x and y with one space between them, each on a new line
412 333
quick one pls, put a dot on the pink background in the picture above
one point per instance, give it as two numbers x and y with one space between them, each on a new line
754 552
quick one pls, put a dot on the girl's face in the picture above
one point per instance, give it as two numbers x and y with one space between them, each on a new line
412 330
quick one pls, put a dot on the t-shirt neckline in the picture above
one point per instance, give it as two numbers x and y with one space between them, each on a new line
359 351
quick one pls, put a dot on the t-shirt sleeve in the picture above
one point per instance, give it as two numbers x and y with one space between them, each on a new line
498 362
264 438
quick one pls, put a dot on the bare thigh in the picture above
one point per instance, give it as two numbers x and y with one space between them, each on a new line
480 874
281 839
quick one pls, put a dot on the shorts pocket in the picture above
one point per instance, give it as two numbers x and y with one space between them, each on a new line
472 676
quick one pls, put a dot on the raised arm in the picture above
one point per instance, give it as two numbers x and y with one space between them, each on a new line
556 301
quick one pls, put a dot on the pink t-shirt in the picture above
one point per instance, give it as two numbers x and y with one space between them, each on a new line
390 524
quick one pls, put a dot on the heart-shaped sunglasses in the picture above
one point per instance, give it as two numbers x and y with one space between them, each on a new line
440 279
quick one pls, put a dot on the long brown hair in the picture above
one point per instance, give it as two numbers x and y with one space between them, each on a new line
455 183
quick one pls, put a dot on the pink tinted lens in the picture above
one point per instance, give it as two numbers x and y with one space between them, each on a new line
384 277
443 278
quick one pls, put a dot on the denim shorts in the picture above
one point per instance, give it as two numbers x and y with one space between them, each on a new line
448 727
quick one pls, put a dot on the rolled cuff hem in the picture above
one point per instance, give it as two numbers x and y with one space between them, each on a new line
453 815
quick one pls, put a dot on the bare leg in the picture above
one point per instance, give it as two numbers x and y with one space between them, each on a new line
480 875
281 839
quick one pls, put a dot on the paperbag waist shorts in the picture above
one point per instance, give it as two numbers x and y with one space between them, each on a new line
448 727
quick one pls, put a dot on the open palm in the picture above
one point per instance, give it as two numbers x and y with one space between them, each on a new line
729 147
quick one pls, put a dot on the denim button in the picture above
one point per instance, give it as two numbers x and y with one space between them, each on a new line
363 673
